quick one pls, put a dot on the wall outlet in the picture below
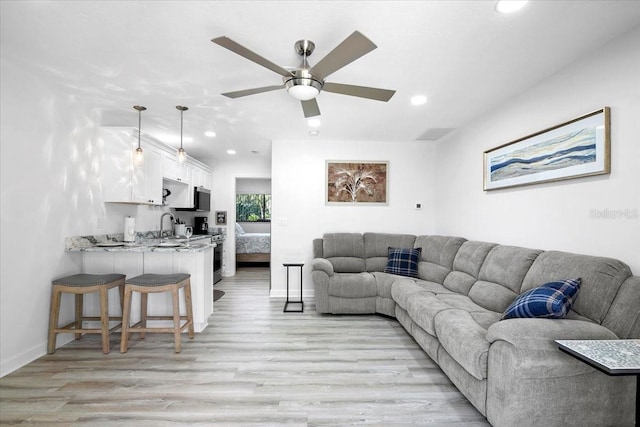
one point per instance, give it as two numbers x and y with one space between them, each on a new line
282 222
418 205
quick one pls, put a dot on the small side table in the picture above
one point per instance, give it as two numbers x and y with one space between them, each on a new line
613 357
286 304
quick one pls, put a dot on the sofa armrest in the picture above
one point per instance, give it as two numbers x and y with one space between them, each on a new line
538 334
322 264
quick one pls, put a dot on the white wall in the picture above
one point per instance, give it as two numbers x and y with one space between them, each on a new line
225 172
299 213
556 215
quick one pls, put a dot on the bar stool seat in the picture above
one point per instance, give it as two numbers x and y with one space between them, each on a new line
146 284
80 285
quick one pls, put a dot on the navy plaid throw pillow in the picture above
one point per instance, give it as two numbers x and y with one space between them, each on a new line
403 262
551 300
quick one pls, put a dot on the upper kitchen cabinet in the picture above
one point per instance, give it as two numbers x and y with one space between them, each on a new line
173 170
123 180
182 194
200 177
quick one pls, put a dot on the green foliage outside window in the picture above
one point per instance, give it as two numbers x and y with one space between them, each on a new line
253 207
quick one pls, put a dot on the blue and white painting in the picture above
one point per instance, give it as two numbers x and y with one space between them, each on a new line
571 149
576 148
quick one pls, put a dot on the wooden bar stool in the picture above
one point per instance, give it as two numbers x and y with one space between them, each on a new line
80 285
155 283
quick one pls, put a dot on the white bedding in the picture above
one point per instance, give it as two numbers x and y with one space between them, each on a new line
253 243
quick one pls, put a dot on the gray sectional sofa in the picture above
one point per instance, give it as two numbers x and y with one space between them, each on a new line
510 370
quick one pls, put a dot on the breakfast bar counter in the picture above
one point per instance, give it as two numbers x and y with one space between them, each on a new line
108 254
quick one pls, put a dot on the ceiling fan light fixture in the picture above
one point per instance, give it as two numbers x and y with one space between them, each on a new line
302 85
303 88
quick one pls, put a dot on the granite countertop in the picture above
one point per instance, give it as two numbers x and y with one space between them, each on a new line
114 243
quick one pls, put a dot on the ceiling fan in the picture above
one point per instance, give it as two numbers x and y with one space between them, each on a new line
305 83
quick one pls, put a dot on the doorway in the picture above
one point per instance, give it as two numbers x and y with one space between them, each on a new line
253 223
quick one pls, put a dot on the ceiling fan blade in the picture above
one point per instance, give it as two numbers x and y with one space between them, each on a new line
310 108
240 93
352 48
226 42
360 91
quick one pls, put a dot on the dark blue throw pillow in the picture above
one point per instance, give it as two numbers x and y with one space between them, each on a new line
403 262
551 300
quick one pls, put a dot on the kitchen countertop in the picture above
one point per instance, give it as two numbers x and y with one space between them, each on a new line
110 243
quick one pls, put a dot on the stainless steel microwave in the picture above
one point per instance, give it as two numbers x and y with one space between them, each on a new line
201 200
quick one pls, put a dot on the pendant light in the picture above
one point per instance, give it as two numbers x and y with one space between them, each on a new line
138 157
182 155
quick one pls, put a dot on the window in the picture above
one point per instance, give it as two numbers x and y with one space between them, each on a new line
253 207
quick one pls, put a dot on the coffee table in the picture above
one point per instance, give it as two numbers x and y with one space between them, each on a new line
613 357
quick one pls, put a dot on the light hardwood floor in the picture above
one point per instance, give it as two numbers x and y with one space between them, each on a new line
253 365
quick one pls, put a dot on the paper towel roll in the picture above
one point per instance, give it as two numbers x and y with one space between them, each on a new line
129 229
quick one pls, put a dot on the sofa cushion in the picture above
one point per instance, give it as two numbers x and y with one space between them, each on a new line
438 253
376 248
466 266
471 256
404 290
601 279
423 308
624 317
551 300
501 276
464 340
349 285
345 251
403 261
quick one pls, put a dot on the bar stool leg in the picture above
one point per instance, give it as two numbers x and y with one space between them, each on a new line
176 318
104 318
126 313
187 300
143 312
53 320
79 300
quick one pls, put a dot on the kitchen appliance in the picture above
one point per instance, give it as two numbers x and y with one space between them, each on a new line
200 225
218 251
201 200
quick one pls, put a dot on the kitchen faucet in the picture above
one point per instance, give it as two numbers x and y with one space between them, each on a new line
173 220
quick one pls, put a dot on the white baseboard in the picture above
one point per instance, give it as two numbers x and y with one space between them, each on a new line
18 361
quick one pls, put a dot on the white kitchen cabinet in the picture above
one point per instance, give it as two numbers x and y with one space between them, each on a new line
123 181
147 182
172 169
200 177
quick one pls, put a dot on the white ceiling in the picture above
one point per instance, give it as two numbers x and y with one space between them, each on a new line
462 54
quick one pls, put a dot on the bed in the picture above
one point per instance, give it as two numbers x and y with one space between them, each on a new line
252 247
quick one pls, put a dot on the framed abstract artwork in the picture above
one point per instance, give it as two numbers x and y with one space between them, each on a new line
357 182
577 148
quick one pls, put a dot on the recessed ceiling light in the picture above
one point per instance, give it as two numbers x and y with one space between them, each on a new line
231 152
509 6
210 134
419 100
314 123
